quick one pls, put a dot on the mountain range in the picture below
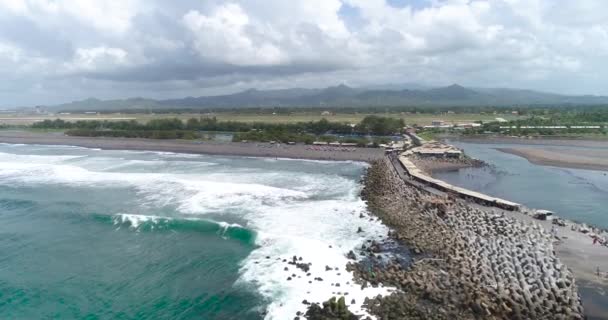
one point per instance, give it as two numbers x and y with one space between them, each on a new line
344 96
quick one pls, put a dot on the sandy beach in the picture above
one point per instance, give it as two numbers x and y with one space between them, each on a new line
579 158
250 149
553 141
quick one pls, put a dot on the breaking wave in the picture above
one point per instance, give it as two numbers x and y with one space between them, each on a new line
313 214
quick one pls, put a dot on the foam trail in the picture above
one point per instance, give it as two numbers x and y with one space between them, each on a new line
321 233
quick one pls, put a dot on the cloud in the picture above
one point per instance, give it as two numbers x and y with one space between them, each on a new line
114 49
226 35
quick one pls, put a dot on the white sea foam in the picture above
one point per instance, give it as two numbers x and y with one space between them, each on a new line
321 233
135 220
310 215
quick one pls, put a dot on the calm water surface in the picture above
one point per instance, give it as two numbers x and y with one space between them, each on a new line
576 194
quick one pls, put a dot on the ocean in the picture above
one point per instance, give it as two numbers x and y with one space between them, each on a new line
575 194
96 234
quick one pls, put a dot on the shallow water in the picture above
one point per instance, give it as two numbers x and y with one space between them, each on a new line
88 233
576 194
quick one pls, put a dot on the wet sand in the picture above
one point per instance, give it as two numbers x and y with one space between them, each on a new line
562 142
579 158
250 149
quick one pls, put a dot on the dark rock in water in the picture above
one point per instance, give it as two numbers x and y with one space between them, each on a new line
286 269
267 257
305 301
300 258
353 301
331 310
328 268
359 230
351 255
288 278
303 266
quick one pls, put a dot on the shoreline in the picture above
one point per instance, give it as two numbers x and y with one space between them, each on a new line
552 141
248 149
548 157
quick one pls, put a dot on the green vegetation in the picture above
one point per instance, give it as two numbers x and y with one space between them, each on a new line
277 116
587 122
175 128
429 134
148 134
374 125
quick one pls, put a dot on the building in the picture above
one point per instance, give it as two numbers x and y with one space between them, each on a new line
435 150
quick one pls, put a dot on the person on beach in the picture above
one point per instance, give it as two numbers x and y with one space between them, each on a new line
554 232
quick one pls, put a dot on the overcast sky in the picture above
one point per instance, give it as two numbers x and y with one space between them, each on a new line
55 51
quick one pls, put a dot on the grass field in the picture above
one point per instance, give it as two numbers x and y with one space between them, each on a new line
410 119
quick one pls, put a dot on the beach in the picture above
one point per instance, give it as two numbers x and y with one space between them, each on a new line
545 141
246 149
577 158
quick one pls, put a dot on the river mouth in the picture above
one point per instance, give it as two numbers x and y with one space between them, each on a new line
575 194
595 297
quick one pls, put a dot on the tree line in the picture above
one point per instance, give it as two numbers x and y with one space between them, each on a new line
370 125
533 125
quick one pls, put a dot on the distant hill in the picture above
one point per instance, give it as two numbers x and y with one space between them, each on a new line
343 96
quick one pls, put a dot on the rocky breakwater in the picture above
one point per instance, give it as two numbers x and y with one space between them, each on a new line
469 263
432 165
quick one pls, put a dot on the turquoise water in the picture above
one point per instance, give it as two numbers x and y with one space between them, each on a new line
92 234
580 195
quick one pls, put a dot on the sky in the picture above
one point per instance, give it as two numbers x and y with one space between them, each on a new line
56 51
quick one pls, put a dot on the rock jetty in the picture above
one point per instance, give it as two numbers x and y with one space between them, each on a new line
469 262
